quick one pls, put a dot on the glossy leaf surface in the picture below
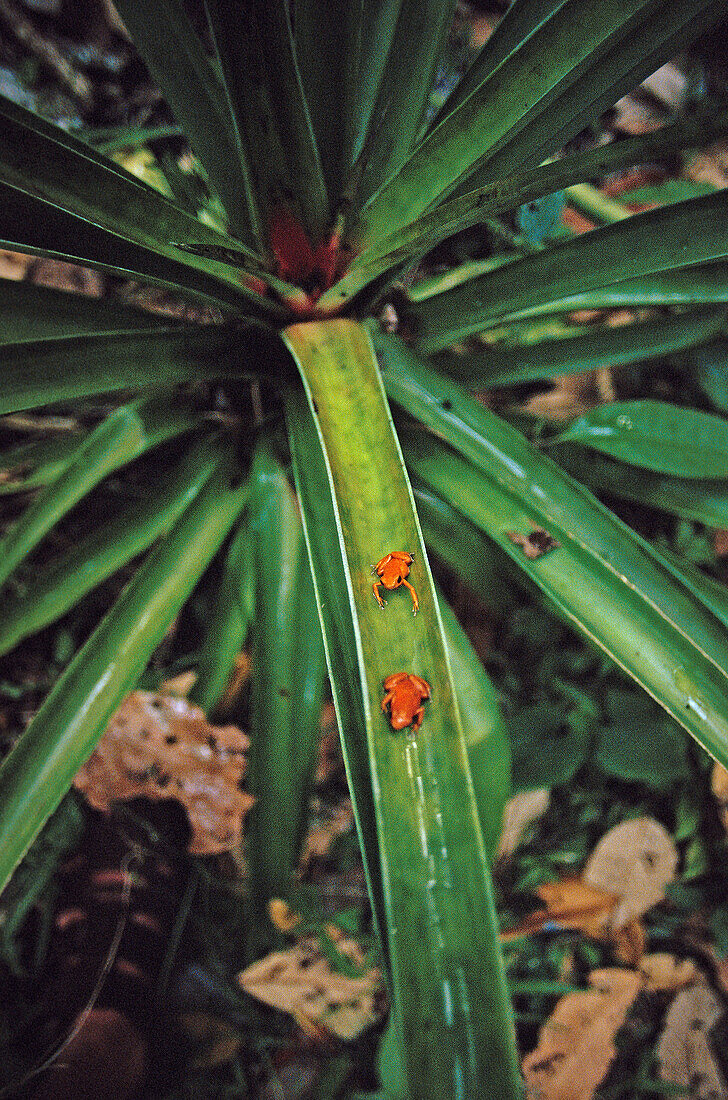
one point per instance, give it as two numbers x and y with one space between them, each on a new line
162 31
125 435
498 365
601 575
433 861
42 597
287 688
67 172
666 239
705 501
663 438
518 92
486 737
39 770
44 371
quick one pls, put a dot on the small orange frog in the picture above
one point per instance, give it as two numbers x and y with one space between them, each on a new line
405 693
393 568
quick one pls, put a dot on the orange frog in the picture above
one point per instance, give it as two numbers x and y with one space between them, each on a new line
393 568
405 693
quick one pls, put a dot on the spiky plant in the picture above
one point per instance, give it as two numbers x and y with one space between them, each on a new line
311 122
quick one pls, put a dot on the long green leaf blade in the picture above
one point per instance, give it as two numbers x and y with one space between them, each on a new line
229 623
41 766
47 371
125 435
43 597
255 47
407 81
192 87
272 830
454 1013
36 463
331 588
486 737
475 206
606 77
601 575
666 239
29 313
519 90
67 172
655 436
702 501
497 365
29 223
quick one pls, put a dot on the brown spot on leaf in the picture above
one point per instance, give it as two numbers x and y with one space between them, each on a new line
535 544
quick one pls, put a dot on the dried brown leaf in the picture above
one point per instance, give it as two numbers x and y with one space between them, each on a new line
327 824
576 1044
158 747
570 903
664 972
301 982
684 1051
719 785
635 860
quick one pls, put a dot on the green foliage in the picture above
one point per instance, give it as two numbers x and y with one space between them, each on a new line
329 183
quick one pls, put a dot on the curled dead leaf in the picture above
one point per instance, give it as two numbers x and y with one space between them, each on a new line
576 1044
283 917
570 903
684 1049
301 982
635 861
159 747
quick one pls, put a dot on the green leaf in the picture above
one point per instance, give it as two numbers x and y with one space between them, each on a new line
704 501
519 23
328 44
51 370
707 367
33 464
404 92
499 365
453 540
606 77
39 598
664 438
666 239
32 224
40 768
640 744
229 623
279 155
125 435
547 751
486 739
508 192
286 695
53 165
330 583
695 285
521 91
434 867
191 85
603 577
